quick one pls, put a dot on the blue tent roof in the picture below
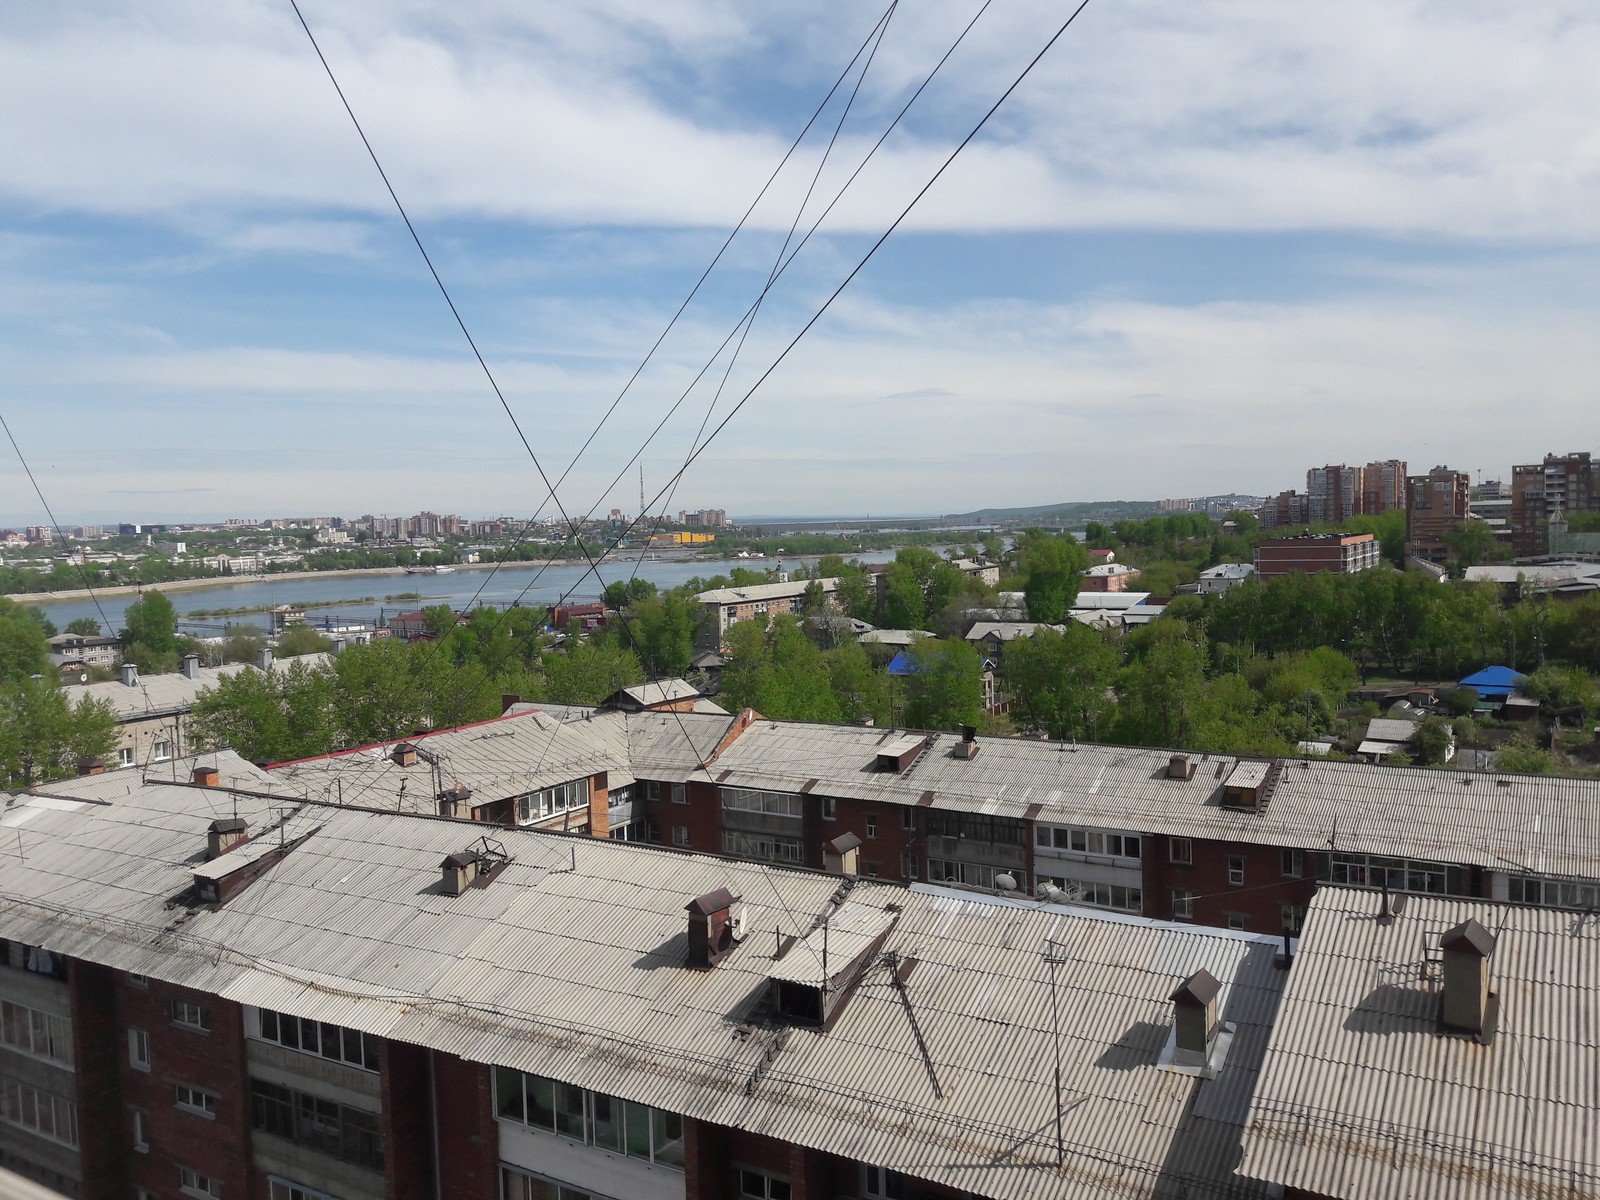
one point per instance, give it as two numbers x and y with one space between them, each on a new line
901 664
1494 681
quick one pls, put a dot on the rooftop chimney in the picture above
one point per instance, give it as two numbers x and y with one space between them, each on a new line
1180 767
839 856
899 753
507 699
206 776
1195 1020
264 660
1469 1005
711 934
224 834
191 666
475 866
967 747
130 675
337 647
453 799
91 766
404 754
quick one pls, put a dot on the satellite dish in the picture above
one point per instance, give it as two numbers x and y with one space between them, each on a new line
741 918
1006 883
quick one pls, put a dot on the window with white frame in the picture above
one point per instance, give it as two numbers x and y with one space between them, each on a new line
125 756
553 802
1401 874
1235 870
908 866
1293 863
763 846
191 1016
1087 841
908 819
194 1183
138 981
653 1135
772 804
680 835
37 1034
830 809
1180 850
161 750
350 1134
942 870
520 1185
52 1117
141 1131
680 793
1183 904
195 1100
880 1183
1289 915
287 1189
758 1185
1102 895
138 1050
1238 921
872 825
1553 893
334 1042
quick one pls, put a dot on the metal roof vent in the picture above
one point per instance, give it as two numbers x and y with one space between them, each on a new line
1468 1005
967 747
130 675
453 800
225 833
1199 1038
839 857
713 929
474 867
206 777
899 753
818 974
404 754
1181 766
191 666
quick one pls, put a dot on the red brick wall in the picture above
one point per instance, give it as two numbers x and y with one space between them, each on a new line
892 839
407 1122
103 1123
1265 888
469 1148
214 1061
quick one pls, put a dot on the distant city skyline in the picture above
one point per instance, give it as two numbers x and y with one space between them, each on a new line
1198 243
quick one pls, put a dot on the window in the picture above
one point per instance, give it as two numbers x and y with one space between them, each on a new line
880 1183
1180 850
758 1185
1402 875
352 1135
872 825
652 789
870 867
1102 895
49 1116
772 804
35 1033
553 802
1552 893
191 1016
767 847
1182 904
1236 921
519 1185
1002 830
618 796
192 1099
125 756
1088 841
318 1037
680 835
1293 863
1235 870
594 1118
138 1050
830 808
161 750
42 962
908 866
284 1189
942 870
137 981
192 1183
680 794
141 1131
1290 916
908 820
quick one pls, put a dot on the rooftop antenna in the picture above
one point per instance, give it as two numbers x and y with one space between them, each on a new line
1052 959
641 491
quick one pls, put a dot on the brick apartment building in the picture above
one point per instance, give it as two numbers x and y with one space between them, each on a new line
1340 553
1435 504
1569 482
723 607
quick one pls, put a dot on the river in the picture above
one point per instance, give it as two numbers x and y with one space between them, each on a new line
335 594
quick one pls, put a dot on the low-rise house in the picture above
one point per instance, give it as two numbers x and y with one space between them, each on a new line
1338 553
1224 577
1109 577
762 601
84 651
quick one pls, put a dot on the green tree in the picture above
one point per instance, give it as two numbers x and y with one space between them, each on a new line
84 627
43 733
150 635
1472 542
945 687
23 648
1565 690
902 603
1433 741
244 646
1462 701
383 690
1161 693
1521 757
663 629
589 672
269 716
1052 569
439 619
859 691
45 623
1058 682
302 639
779 672
622 592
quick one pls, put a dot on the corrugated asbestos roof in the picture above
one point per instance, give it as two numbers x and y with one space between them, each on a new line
570 964
174 692
1362 1096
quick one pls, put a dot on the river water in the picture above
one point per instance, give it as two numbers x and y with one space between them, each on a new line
339 594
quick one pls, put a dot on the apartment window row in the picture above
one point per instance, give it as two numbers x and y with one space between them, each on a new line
519 1185
196 1100
201 1186
941 870
654 789
1552 893
287 1189
762 846
40 1112
1103 895
1402 875
352 1135
618 796
594 1118
553 801
34 958
1087 841
191 1015
318 1037
777 804
40 1034
977 827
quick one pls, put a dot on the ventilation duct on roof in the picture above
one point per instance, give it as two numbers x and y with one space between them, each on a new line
224 833
967 747
898 754
839 857
713 931
1181 766
1468 1004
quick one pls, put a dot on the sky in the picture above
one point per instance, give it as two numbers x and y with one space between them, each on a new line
1203 246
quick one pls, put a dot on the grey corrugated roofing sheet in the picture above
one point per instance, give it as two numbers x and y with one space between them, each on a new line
571 965
1363 1096
661 691
763 591
174 692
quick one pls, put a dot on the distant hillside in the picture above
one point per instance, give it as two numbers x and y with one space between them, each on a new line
1071 513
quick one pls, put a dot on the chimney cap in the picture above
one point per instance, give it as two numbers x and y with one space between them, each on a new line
1199 990
229 825
842 844
461 858
1469 936
713 901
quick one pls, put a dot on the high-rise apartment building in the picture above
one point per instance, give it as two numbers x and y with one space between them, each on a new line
1435 504
1333 494
1569 482
1286 508
1383 486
